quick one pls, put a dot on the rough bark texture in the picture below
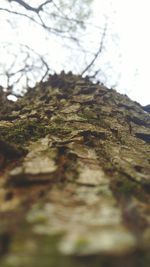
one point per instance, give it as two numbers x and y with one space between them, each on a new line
75 177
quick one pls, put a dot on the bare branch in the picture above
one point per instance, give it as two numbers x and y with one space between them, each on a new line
32 65
101 46
30 8
20 14
42 60
56 20
44 4
52 30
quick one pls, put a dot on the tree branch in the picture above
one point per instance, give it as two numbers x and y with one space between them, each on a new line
30 8
97 53
42 24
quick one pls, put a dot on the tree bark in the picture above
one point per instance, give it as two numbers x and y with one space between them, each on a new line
75 177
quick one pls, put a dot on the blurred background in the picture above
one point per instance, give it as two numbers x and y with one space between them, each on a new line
106 40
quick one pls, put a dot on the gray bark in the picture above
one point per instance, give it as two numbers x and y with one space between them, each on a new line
75 177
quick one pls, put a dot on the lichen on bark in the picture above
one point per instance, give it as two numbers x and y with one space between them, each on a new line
75 177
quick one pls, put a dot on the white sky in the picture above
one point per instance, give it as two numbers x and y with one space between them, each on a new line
130 20
127 46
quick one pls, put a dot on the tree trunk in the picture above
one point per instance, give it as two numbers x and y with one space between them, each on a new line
75 177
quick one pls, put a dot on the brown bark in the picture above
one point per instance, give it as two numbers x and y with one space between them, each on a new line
75 177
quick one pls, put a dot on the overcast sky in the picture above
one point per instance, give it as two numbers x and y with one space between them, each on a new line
127 48
130 20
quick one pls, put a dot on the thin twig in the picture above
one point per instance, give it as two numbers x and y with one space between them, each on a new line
97 53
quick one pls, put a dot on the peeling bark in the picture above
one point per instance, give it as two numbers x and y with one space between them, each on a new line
75 177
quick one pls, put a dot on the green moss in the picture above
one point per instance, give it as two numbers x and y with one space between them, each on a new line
126 187
59 119
81 244
23 131
58 129
89 116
